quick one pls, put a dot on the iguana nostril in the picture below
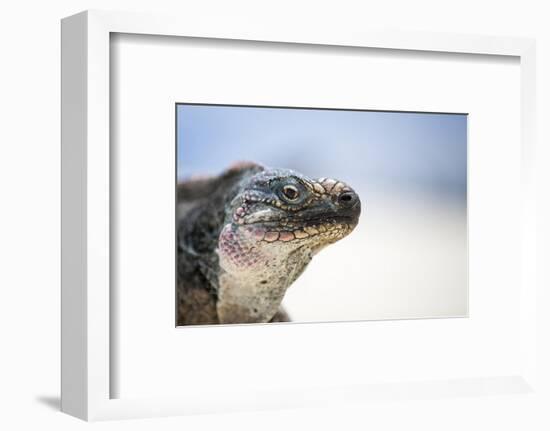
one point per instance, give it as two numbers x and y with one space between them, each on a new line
347 198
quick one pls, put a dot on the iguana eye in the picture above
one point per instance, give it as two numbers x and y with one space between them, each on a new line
291 192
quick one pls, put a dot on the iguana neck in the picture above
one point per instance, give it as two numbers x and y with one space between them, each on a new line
248 301
252 288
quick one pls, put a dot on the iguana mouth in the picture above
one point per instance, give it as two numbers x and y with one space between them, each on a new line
304 222
325 214
333 219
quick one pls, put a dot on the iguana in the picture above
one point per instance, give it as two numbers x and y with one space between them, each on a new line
245 236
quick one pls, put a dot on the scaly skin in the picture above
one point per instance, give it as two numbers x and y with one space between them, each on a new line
245 237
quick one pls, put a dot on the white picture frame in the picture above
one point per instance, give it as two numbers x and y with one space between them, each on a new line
87 340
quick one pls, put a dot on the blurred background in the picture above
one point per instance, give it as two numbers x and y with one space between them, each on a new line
408 256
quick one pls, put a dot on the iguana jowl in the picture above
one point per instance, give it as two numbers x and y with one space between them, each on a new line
246 235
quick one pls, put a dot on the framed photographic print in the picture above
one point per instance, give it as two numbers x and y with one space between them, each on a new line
247 233
260 218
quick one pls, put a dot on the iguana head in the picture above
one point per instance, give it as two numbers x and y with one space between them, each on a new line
275 222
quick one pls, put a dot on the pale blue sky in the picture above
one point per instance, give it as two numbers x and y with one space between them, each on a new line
416 154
